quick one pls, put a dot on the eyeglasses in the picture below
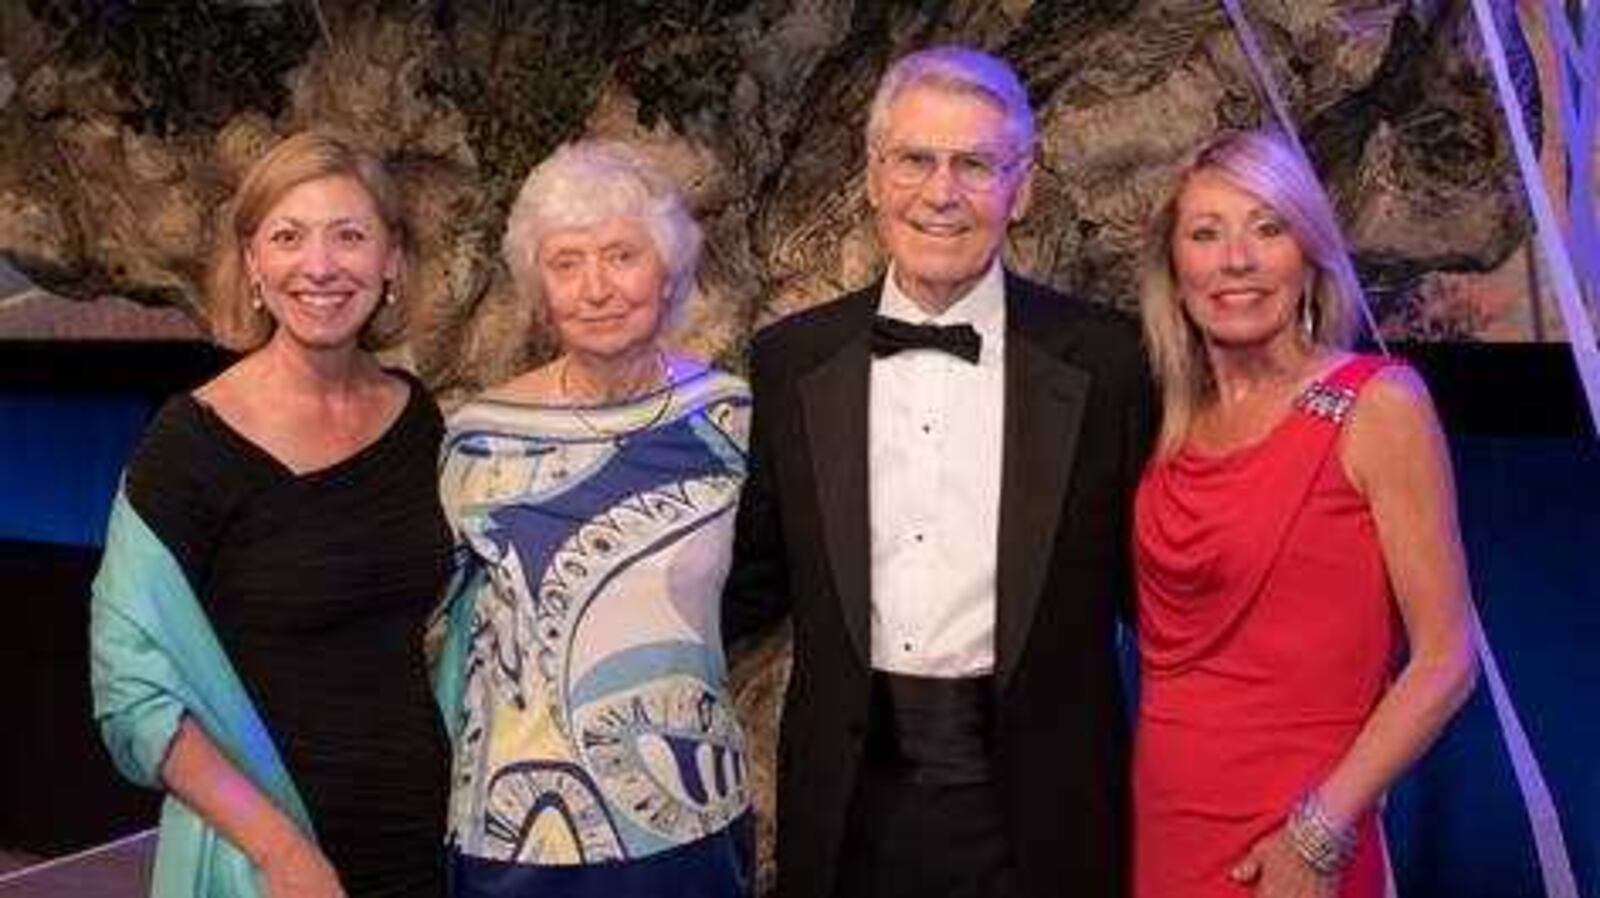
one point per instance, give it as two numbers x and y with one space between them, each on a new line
974 171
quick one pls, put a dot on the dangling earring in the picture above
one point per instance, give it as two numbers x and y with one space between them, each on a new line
1308 317
387 296
257 303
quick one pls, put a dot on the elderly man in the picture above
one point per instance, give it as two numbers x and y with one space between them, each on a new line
941 473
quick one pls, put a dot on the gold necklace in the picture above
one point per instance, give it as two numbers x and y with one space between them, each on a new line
663 375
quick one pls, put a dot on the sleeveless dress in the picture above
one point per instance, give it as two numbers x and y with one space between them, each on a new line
597 752
318 587
1267 634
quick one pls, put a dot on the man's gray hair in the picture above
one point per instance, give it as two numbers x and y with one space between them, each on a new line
957 70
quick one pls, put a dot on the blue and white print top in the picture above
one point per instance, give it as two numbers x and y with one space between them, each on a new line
596 725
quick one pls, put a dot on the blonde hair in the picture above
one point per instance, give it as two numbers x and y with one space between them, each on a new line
1266 165
586 183
236 322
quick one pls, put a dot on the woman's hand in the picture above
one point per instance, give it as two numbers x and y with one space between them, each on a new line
1274 869
288 863
299 870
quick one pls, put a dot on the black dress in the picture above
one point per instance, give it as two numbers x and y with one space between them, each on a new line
318 586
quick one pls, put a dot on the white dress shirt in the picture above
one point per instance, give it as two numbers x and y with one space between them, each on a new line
935 435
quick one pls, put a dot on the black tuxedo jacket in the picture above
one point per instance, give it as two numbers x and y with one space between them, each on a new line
1077 428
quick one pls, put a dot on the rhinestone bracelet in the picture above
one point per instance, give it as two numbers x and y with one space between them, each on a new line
1324 847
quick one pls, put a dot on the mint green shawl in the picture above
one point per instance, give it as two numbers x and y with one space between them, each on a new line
153 659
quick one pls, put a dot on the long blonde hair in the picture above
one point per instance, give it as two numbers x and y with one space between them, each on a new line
1266 165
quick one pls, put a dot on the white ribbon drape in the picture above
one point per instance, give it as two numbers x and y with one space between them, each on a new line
1543 819
1557 255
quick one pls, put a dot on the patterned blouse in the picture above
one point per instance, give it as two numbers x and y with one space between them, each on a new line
596 725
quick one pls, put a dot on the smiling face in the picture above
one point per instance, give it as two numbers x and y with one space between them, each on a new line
319 259
1240 271
942 233
604 288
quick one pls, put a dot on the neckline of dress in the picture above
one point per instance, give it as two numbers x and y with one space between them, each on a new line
674 383
1289 416
248 447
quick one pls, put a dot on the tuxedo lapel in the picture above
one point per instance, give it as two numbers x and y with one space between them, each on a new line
1045 402
833 399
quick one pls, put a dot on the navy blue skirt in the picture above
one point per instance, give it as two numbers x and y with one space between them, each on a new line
719 866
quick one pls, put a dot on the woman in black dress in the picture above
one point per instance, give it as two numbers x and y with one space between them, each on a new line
273 557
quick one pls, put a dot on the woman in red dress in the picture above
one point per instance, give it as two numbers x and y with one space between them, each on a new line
1304 616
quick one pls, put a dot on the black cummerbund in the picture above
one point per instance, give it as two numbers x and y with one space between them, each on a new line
932 731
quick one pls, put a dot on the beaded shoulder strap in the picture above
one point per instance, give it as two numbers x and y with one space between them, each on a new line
1332 397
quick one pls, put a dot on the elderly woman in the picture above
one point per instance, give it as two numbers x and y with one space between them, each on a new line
272 558
1294 533
592 500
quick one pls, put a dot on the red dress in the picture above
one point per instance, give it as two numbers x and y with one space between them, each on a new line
1267 634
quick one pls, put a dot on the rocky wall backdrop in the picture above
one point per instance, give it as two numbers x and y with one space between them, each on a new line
129 121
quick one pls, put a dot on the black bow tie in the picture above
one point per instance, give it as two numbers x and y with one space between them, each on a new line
890 335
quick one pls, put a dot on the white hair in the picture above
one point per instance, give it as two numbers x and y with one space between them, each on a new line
589 182
958 70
